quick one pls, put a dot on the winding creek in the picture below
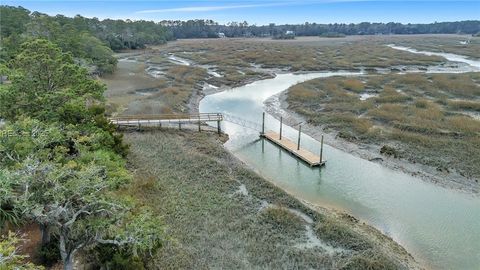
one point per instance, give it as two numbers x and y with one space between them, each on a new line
474 65
439 226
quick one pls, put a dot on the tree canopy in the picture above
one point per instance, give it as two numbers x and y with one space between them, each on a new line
86 39
209 28
61 163
49 86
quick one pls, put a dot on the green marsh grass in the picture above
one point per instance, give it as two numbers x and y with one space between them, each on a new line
426 116
192 183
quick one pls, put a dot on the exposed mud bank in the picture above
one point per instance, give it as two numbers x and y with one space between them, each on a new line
278 107
388 246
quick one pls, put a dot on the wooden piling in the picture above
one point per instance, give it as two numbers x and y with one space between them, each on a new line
263 123
290 146
299 134
321 149
281 120
219 130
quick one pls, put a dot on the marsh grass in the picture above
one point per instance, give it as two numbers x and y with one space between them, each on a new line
464 105
369 260
233 58
190 181
441 43
337 233
351 54
354 85
421 114
283 220
168 94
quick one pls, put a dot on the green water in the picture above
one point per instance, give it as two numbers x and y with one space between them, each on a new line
440 227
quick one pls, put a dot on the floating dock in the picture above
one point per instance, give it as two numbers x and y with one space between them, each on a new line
291 147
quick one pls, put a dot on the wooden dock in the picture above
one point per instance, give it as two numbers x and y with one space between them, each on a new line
291 147
158 120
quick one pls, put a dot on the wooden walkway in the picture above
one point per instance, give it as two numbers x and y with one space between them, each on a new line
303 154
160 120
198 119
152 120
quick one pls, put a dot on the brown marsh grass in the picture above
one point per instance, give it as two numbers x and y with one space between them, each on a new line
190 181
426 116
350 54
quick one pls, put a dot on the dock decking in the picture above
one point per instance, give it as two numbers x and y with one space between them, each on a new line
303 154
151 120
162 119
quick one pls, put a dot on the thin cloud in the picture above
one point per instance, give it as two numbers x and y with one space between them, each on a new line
225 7
207 8
274 4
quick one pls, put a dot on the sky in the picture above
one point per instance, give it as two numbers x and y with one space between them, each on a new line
264 12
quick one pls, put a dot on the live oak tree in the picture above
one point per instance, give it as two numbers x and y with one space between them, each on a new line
70 200
48 85
36 152
61 163
71 195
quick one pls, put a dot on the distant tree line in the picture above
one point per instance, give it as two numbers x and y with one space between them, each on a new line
192 28
209 28
89 40
92 41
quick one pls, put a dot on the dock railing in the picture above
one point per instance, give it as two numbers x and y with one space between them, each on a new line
158 120
135 119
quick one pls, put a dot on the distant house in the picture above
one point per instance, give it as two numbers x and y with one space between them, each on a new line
286 35
221 35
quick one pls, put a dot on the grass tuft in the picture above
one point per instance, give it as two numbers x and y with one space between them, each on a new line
425 116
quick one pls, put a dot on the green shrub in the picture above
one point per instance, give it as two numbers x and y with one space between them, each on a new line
10 259
49 254
112 257
8 215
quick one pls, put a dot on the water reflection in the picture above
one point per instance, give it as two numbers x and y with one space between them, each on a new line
437 225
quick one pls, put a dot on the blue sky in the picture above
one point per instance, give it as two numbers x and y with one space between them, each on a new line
264 12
